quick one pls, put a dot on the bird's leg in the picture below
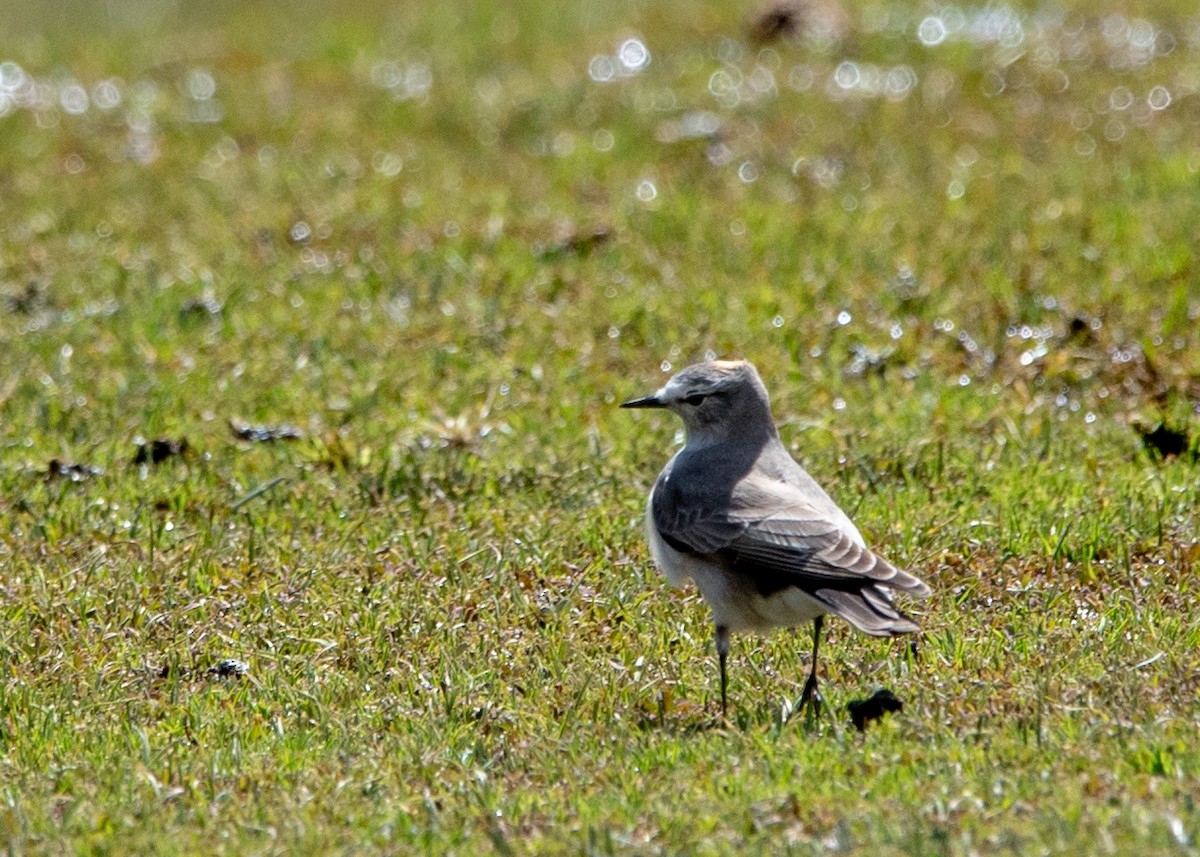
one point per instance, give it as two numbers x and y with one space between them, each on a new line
811 696
722 655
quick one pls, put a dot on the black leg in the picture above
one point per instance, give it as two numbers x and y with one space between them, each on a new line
811 696
722 655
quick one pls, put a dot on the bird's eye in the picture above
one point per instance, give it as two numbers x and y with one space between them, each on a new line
694 399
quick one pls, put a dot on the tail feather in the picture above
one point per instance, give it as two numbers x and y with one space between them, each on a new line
870 610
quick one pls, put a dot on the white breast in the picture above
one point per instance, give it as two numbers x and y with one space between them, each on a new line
670 562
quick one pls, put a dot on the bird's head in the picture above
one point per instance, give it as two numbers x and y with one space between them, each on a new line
714 399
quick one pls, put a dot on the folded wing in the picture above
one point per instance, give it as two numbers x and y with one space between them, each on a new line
776 536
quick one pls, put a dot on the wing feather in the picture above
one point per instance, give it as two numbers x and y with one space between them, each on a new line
779 537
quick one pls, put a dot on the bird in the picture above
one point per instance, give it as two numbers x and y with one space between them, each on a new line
763 542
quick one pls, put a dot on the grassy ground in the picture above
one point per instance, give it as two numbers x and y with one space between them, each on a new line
442 242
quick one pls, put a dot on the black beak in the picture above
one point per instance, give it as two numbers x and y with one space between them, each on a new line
644 402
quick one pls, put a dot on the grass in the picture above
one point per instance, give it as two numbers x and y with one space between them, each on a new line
430 241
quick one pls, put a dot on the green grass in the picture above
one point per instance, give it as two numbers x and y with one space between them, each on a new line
963 297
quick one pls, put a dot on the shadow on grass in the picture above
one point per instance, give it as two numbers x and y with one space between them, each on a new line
685 719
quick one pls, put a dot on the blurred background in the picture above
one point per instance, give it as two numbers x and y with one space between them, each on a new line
294 198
